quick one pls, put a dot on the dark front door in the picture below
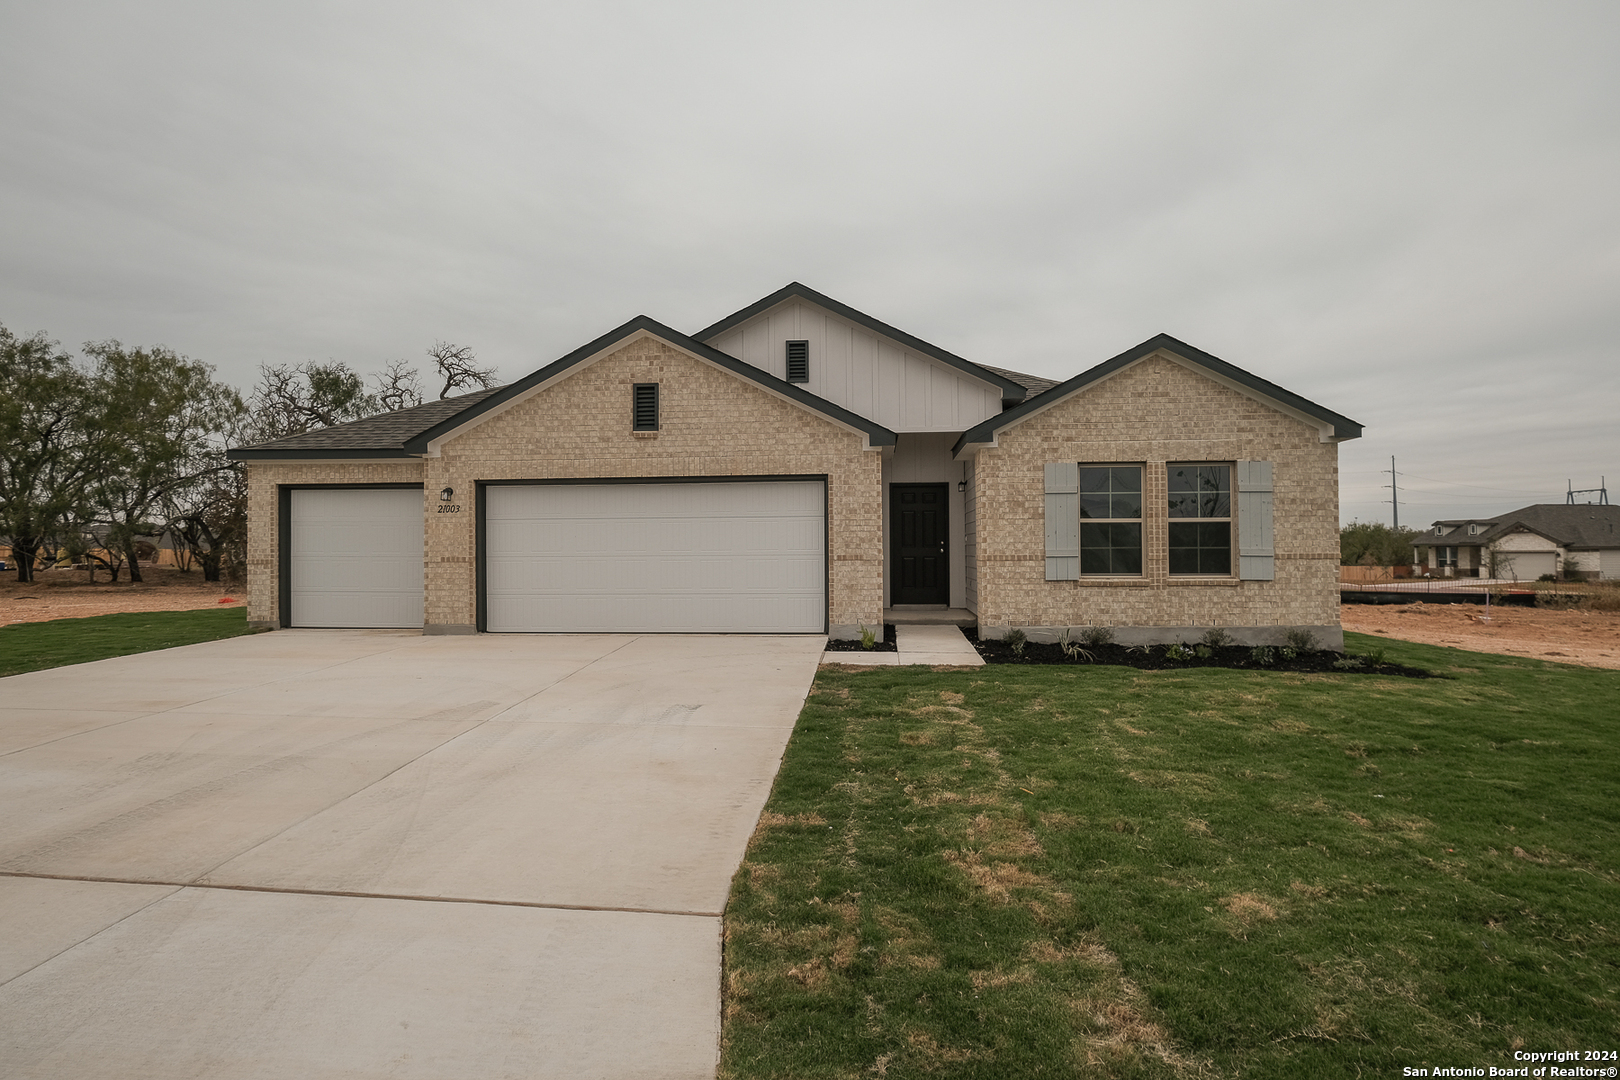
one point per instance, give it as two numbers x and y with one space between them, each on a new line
917 519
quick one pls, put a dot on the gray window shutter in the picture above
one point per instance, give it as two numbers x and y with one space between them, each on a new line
1063 521
1257 556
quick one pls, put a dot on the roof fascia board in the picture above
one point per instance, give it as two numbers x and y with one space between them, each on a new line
429 441
328 453
1330 426
1010 390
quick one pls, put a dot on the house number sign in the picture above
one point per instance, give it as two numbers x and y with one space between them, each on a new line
449 508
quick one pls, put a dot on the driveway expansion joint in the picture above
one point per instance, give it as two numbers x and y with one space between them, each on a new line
363 895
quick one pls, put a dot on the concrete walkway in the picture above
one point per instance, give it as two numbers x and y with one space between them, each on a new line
374 854
931 645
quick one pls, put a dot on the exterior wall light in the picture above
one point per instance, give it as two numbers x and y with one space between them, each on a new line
447 494
961 485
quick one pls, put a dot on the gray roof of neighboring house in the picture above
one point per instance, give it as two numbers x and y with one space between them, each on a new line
1581 526
384 435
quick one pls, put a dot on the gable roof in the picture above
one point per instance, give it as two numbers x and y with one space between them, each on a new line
383 435
1583 526
409 432
1011 389
984 433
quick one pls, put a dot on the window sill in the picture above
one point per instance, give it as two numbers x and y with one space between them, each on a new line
1193 580
644 434
1112 582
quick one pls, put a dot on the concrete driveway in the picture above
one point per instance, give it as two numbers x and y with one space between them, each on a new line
375 854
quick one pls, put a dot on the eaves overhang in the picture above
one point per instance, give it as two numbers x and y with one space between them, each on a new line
1341 428
424 442
1010 390
250 453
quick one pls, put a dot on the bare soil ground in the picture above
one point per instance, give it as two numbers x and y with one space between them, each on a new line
1591 638
67 594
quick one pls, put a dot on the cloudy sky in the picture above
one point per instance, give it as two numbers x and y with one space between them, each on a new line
1408 212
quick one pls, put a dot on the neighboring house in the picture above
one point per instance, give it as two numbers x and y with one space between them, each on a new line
1548 538
800 466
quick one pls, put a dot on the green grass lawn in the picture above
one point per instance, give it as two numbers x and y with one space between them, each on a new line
1032 872
33 646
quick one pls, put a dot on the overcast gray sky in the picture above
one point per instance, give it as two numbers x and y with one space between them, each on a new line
1405 211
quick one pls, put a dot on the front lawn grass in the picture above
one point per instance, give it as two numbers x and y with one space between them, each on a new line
34 646
1047 872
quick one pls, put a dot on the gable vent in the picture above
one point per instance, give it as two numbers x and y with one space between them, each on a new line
644 411
798 361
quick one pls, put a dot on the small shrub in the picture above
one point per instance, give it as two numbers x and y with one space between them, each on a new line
1262 655
1548 577
1178 651
1216 638
1289 652
1302 640
1016 640
1375 655
1203 652
1072 649
868 638
1097 636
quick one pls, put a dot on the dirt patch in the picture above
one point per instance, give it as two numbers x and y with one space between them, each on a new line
68 594
1590 638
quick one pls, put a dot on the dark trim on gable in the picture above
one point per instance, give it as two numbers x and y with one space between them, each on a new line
1010 390
1343 426
330 453
876 434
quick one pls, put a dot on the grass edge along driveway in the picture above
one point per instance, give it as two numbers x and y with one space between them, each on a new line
36 646
1107 872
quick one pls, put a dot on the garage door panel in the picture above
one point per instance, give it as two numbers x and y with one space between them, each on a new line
355 557
733 557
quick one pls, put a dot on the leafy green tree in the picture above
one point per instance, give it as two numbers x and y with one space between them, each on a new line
50 448
1372 543
166 423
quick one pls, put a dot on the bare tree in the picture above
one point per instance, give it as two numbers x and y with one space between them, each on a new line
458 368
398 387
292 400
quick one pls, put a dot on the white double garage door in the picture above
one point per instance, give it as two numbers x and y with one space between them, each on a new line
708 557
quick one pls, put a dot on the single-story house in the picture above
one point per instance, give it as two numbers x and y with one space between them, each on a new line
1562 539
801 467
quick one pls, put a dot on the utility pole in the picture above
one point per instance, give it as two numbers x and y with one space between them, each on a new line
1394 494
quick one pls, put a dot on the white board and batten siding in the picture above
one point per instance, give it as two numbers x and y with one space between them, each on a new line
1608 563
355 557
741 557
862 371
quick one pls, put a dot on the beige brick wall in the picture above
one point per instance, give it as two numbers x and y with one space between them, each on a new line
264 479
1154 413
712 424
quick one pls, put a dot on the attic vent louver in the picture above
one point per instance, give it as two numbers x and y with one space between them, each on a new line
644 410
798 361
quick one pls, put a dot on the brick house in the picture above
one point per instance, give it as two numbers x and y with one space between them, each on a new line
801 467
1568 540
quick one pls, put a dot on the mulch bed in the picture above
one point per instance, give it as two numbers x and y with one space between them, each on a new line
886 645
1159 658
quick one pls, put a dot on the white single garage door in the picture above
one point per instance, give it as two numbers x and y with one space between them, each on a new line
355 557
1527 565
744 557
